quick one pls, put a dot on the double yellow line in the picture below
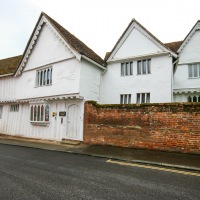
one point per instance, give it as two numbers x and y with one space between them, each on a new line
153 167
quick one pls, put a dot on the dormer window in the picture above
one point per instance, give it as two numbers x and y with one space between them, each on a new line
44 77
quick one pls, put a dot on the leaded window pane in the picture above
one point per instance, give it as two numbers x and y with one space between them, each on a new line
149 66
195 71
139 67
125 99
127 68
138 98
122 69
131 68
46 113
129 98
41 77
35 113
143 98
31 115
42 113
190 71
144 67
148 98
121 99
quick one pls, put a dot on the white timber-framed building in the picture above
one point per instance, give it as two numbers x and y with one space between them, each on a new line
43 91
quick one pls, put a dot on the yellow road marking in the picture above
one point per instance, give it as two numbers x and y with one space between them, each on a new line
153 167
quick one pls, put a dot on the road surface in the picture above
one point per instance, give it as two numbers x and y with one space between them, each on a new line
27 173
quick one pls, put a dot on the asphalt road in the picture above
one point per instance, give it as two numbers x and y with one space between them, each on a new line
27 173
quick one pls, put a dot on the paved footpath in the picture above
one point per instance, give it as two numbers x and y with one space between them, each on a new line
158 158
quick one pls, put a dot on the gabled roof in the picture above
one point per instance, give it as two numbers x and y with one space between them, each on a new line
123 34
174 46
189 35
9 65
74 43
107 56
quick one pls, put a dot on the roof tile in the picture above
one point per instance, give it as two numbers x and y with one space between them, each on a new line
174 46
9 65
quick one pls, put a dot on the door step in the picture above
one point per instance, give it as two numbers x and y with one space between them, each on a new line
70 142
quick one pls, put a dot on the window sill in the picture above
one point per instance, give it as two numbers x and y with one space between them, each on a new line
42 85
193 77
143 74
126 75
40 123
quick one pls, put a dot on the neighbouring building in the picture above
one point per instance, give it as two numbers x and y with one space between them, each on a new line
187 73
139 69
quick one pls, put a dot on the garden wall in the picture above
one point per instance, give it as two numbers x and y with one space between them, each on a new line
167 127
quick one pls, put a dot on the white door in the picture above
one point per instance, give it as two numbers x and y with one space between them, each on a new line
73 122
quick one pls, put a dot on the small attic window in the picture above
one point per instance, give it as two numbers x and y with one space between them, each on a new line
44 77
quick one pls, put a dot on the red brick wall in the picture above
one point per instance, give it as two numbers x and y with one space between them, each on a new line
168 127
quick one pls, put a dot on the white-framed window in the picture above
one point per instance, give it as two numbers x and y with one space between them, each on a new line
44 77
39 113
125 98
195 98
14 108
1 111
144 66
127 69
194 70
143 98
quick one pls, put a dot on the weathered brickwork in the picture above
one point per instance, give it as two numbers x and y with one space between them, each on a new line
168 127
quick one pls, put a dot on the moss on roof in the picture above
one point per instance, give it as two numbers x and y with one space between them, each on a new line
9 65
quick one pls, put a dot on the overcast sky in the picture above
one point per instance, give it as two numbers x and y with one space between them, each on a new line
98 23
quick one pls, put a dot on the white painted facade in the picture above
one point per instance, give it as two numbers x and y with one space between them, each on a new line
77 78
189 53
18 123
137 44
7 88
90 80
74 79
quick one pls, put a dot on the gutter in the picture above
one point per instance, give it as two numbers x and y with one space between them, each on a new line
92 61
6 75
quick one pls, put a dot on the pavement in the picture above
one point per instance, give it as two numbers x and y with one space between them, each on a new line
158 158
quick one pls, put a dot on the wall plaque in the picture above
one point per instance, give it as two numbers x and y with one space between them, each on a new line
62 114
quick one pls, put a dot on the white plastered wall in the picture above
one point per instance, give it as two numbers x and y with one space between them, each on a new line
90 80
65 80
7 88
158 83
189 54
49 48
18 123
136 44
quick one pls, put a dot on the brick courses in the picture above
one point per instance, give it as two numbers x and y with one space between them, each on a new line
166 127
